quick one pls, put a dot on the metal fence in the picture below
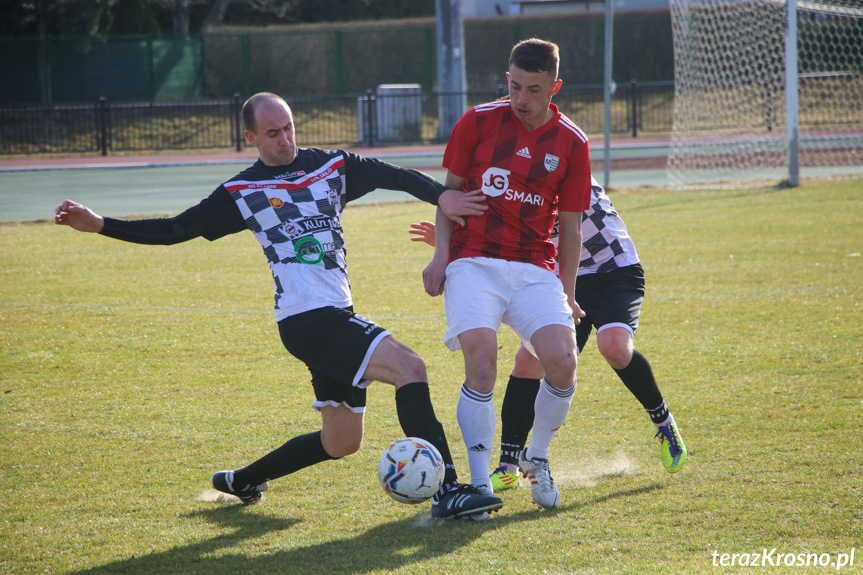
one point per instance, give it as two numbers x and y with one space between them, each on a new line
369 119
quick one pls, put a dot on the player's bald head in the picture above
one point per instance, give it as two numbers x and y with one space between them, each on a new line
260 100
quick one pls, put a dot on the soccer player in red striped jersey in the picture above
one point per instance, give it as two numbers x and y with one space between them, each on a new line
530 161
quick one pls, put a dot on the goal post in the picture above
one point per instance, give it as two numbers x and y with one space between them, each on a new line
766 91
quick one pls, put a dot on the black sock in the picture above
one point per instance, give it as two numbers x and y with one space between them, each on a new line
417 418
516 417
299 452
638 379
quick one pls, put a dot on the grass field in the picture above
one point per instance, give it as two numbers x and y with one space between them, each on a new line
131 373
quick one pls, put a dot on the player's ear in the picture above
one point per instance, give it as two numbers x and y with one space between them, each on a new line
556 87
251 137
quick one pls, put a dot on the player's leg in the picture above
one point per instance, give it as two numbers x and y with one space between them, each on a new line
516 417
517 412
541 317
618 313
341 430
475 410
550 409
555 348
616 346
341 435
395 363
340 397
476 295
341 408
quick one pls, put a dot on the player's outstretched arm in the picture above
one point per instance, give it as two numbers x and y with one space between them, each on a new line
78 217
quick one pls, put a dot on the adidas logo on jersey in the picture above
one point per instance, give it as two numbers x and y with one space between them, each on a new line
524 153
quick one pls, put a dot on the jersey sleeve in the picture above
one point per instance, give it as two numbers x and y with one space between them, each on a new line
364 175
462 142
574 193
213 218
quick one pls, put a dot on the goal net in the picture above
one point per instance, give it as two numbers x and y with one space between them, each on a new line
731 121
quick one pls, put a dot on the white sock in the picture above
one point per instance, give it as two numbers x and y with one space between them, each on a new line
668 421
551 408
475 414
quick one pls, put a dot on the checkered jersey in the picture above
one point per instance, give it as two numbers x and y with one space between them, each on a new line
296 217
606 244
526 175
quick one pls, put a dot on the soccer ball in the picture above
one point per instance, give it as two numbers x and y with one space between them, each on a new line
411 470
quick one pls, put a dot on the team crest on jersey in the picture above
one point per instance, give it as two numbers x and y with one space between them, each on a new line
291 229
333 197
276 203
551 162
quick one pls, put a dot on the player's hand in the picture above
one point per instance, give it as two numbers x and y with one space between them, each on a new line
577 312
434 276
455 204
78 217
422 232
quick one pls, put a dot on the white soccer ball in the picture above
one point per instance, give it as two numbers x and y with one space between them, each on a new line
411 470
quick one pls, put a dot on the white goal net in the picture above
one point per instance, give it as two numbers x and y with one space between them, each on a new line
731 120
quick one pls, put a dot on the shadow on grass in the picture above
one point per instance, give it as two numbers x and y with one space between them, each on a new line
384 548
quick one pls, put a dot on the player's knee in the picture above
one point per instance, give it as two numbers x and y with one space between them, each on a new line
342 445
618 356
615 345
414 367
396 364
482 378
560 371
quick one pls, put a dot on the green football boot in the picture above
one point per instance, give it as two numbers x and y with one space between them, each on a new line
672 451
503 479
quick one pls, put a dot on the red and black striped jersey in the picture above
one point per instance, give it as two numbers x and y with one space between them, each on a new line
527 176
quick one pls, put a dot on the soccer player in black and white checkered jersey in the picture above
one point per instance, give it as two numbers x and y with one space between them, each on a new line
292 199
610 290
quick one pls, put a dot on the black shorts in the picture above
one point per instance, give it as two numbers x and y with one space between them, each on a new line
613 297
336 345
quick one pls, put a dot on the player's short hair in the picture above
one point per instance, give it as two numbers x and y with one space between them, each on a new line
252 104
535 55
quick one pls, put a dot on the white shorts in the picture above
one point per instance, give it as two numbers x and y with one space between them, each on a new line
485 292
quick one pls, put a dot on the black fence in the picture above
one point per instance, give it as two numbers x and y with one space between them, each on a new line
371 119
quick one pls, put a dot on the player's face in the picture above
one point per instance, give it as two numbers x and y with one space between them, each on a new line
530 94
274 133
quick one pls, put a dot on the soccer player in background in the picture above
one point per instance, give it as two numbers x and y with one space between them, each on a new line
292 200
530 161
610 290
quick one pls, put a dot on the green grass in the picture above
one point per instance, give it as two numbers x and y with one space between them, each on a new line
131 373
